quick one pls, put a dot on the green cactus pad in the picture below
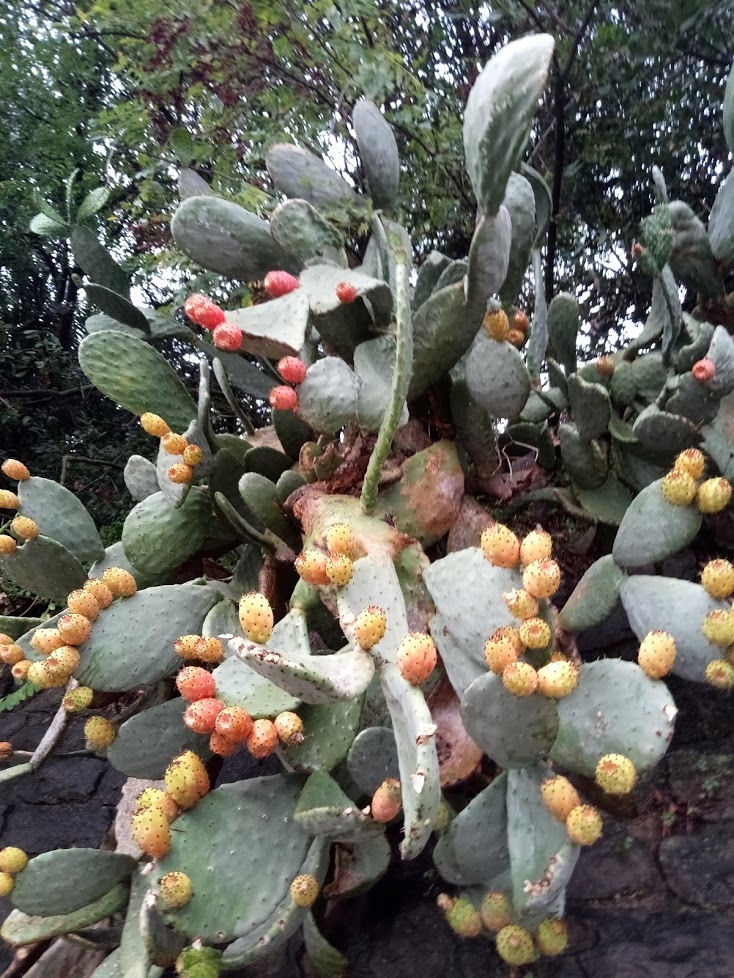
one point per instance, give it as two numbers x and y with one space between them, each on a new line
454 272
136 377
229 836
475 430
663 433
615 709
474 849
44 568
66 880
359 866
300 230
428 275
134 955
520 203
514 731
158 538
721 224
140 477
595 596
114 556
499 113
245 376
590 406
378 152
320 282
97 262
497 377
147 743
261 498
585 461
541 855
721 353
443 329
298 173
327 399
374 363
276 328
226 238
467 591
15 627
288 483
292 432
674 528
664 318
678 607
374 582
719 443
372 758
61 517
238 685
267 461
634 469
691 258
324 809
563 327
119 308
489 256
20 929
223 619
728 111
415 736
328 732
608 503
325 960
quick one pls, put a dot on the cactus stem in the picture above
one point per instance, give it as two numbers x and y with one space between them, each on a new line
400 381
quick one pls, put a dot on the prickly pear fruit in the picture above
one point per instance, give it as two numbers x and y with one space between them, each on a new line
192 455
278 283
369 626
704 370
12 859
720 674
558 679
6 751
304 890
386 801
616 774
515 945
120 582
292 370
43 677
340 539
99 733
500 546
11 654
203 312
283 398
174 444
25 528
8 500
256 617
195 683
537 545
605 366
5 639
521 604
201 715
692 461
346 292
186 779
289 728
416 657
77 699
535 633
74 629
227 336
559 797
151 831
157 798
21 669
584 825
153 424
311 566
263 738
199 962
209 649
552 936
339 569
222 745
717 578
235 723
175 890
679 488
496 325
713 495
443 818
520 321
520 679
517 338
461 915
14 469
496 910
64 661
99 591
186 646
8 545
542 578
6 884
718 627
656 655
81 602
180 474
500 650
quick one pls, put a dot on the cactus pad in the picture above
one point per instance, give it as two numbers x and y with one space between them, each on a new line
674 528
473 849
66 880
45 568
158 538
147 743
61 516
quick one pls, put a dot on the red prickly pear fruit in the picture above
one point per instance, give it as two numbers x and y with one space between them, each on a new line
584 825
209 649
346 292
201 715
195 683
192 455
552 936
99 591
692 461
263 738
339 569
152 832
678 487
156 798
304 890
500 650
515 945
180 474
292 370
256 617
537 545
99 733
387 801
605 366
14 469
311 566
120 582
203 312
283 398
227 336
520 321
517 338
289 727
12 860
174 444
8 546
341 540
542 578
235 723
370 626
47 640
186 779
175 890
558 679
461 915
221 745
500 546
74 629
9 500
416 657
704 370
520 679
81 602
496 910
24 527
615 774
656 655
713 495
153 424
278 283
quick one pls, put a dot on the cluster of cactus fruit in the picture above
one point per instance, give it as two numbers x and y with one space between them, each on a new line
347 494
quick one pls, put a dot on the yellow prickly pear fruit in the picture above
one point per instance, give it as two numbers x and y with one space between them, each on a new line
180 474
500 546
542 578
151 831
616 774
157 798
304 890
558 679
521 604
496 910
678 487
186 646
656 655
520 679
193 455
289 728
11 654
692 461
515 945
535 633
6 884
718 627
20 670
340 539
537 545
186 779
552 936
717 578
8 500
584 825
99 733
339 569
175 890
12 860
559 797
8 545
387 801
154 425
24 528
120 581
40 675
370 626
64 661
713 495
174 444
77 699
496 325
262 739
208 649
311 566
500 650
82 602
74 629
720 674
99 591
416 657
256 617
14 469
461 915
